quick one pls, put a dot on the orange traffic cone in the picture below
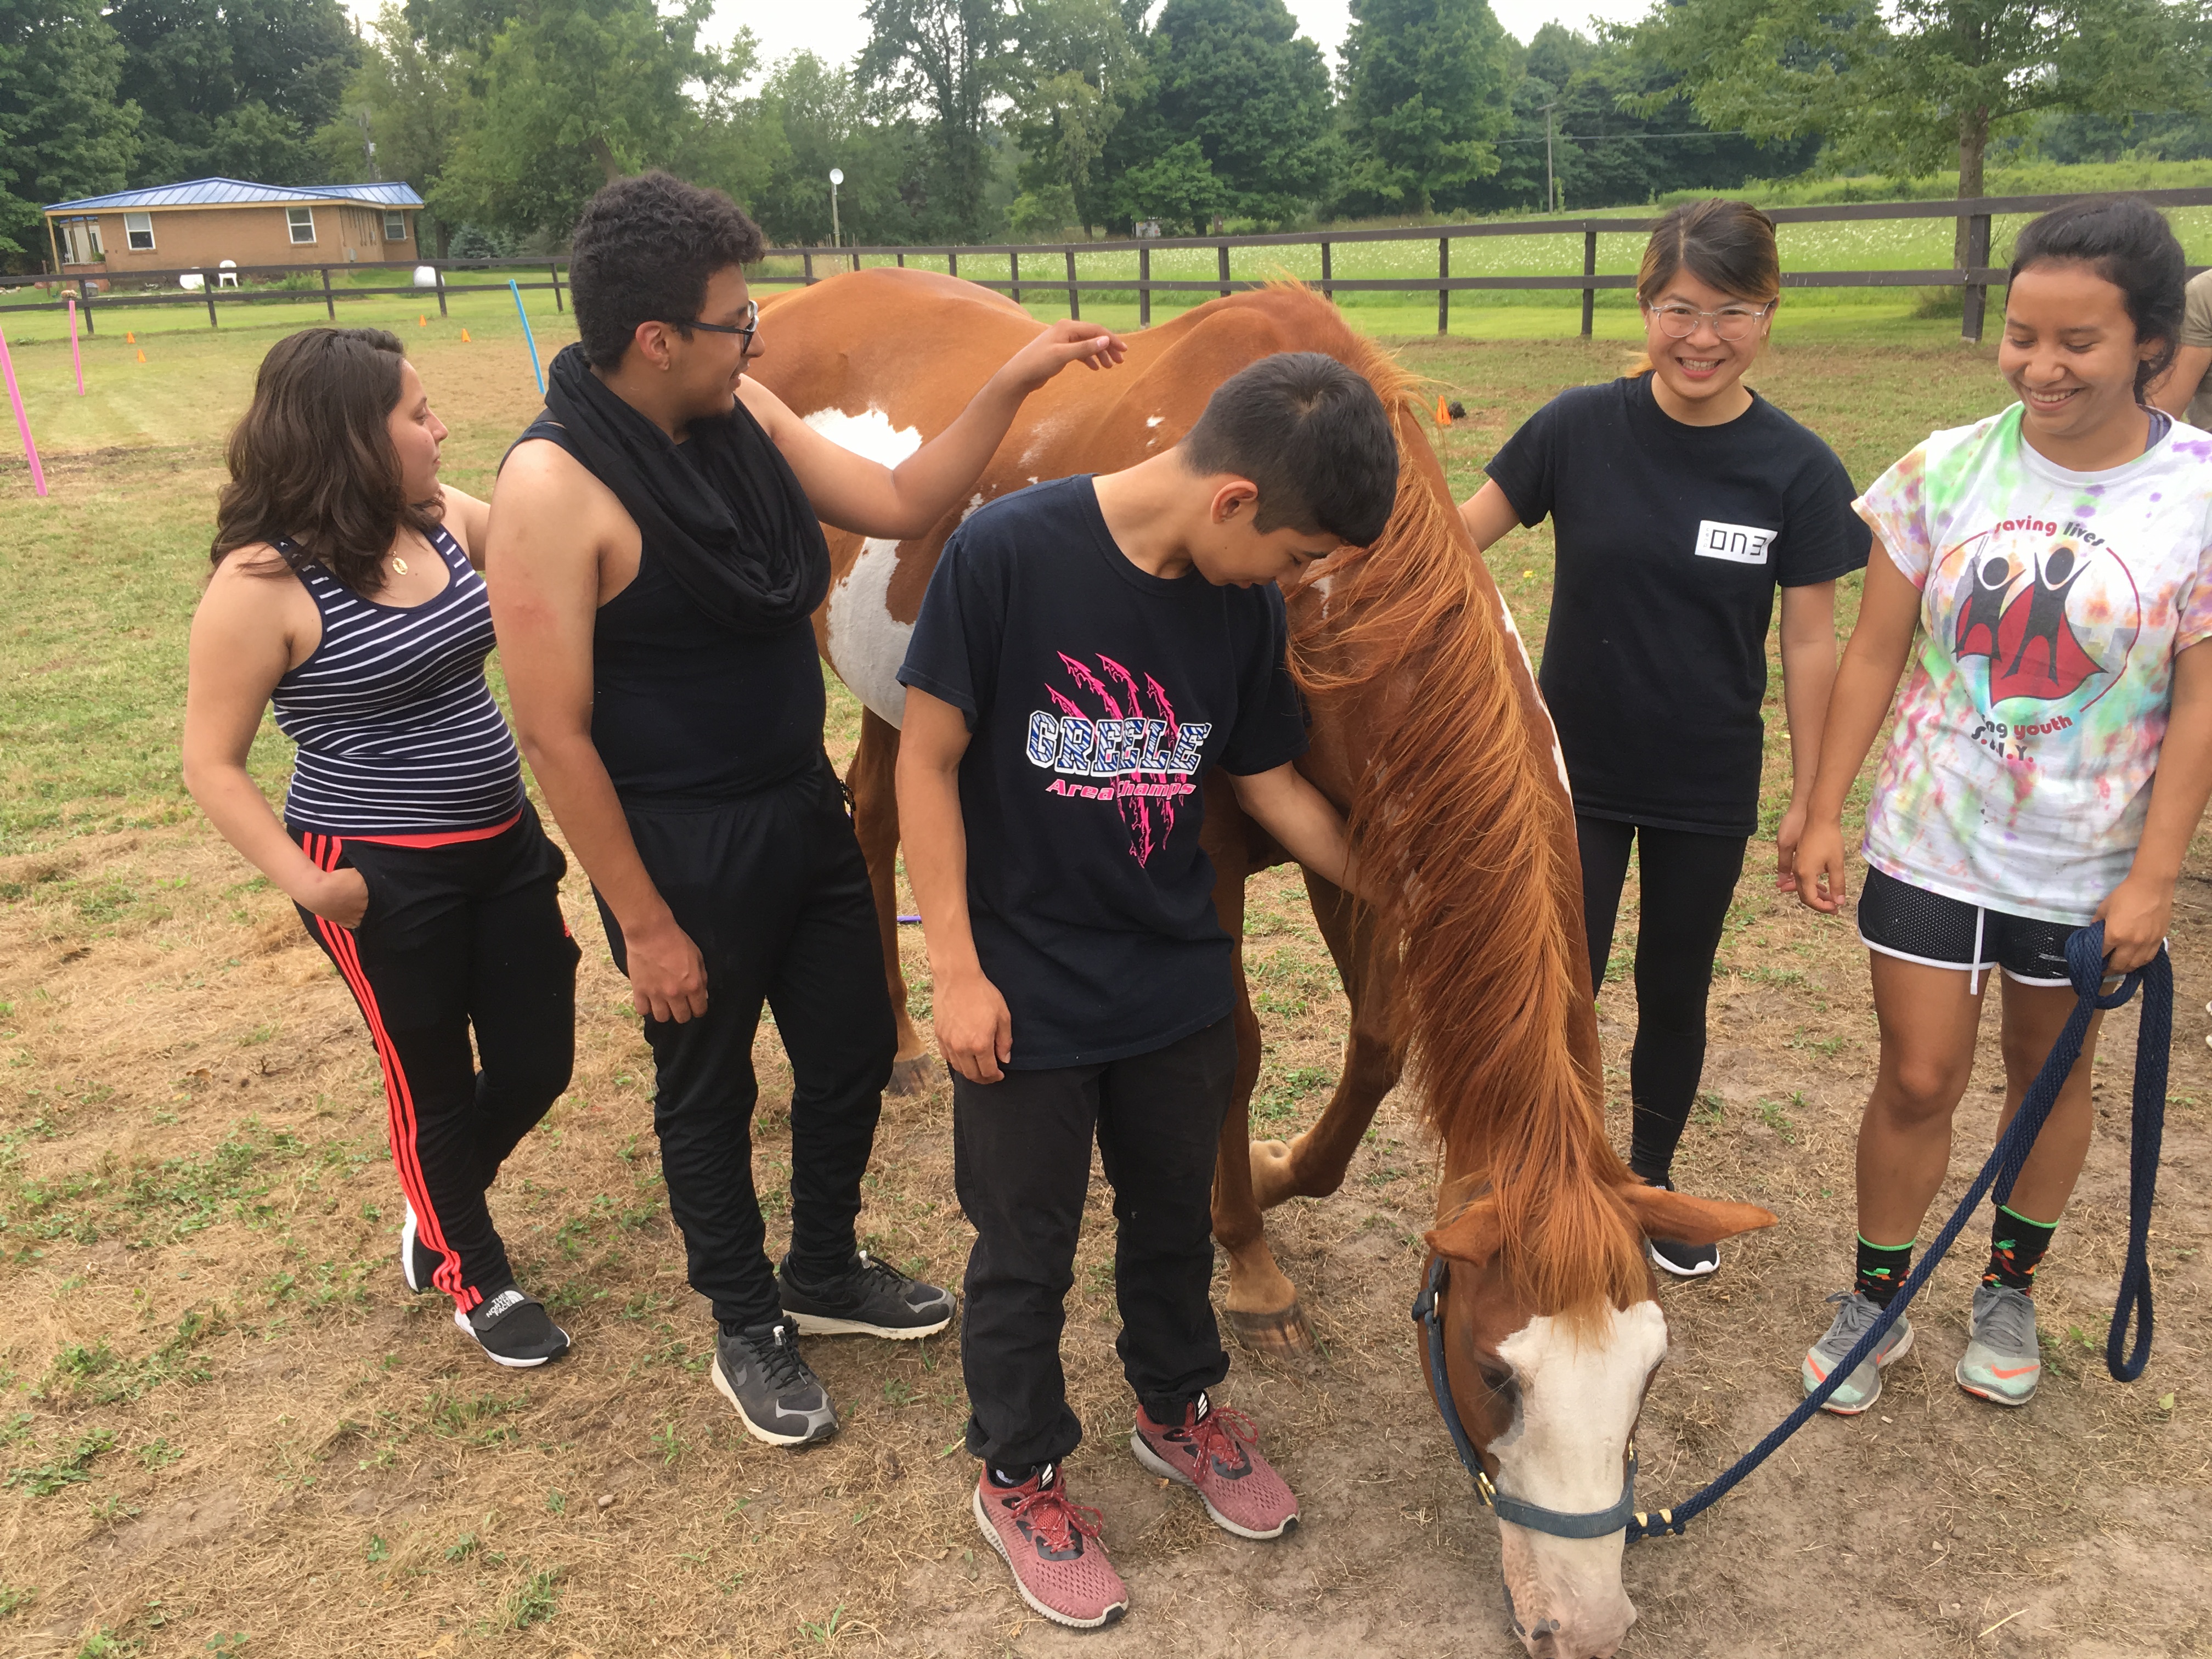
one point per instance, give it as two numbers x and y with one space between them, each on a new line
421 322
464 336
129 339
1443 413
142 356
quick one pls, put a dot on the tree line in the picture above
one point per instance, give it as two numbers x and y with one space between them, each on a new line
966 120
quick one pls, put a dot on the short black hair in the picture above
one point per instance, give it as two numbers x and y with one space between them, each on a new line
1313 438
644 250
2127 242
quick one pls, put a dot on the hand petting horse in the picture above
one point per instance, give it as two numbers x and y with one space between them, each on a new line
1429 733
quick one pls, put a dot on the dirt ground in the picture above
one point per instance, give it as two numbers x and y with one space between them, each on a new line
225 1426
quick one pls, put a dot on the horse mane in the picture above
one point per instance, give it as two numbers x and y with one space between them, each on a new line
1456 812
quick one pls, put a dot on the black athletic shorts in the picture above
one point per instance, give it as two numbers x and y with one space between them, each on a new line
1914 925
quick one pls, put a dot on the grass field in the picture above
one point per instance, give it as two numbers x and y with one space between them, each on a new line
224 1427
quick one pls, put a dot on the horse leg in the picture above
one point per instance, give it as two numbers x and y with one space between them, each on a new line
872 780
1264 1314
1312 1164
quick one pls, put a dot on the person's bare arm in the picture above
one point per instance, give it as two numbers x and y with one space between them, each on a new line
241 645
1874 662
465 520
2172 389
974 1029
2138 912
1487 514
1305 821
1809 675
542 565
856 494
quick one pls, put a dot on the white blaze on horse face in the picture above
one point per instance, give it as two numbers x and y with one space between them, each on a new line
1559 755
1579 1395
867 642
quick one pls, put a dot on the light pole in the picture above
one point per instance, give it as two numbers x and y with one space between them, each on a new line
1551 190
836 178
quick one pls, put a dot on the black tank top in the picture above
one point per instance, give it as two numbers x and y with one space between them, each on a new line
685 712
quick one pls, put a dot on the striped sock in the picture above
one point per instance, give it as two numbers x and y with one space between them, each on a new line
2016 1247
1881 1269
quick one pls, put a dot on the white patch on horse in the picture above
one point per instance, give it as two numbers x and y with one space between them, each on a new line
969 511
1559 755
867 642
1154 421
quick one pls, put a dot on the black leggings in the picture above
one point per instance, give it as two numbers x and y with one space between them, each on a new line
1688 879
466 938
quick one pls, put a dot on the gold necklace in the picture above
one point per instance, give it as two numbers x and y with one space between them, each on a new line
399 564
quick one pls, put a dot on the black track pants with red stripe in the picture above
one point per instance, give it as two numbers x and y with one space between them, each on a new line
465 935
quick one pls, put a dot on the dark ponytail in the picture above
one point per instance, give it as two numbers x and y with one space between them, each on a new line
2129 243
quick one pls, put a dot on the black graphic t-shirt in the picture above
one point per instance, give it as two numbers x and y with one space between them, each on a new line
1098 696
1671 540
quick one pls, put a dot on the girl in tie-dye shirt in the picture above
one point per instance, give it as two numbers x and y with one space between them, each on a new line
2052 756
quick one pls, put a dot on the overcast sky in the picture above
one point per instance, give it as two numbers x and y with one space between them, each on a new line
833 29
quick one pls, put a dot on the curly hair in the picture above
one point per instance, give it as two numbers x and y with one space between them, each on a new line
313 464
643 253
2129 243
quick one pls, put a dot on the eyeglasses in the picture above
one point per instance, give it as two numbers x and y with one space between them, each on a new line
746 330
1729 322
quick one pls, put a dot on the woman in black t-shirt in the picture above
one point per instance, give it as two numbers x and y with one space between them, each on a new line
1680 501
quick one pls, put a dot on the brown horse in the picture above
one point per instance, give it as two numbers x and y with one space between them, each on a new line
1428 731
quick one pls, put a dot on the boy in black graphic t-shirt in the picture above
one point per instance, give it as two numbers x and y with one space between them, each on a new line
1087 650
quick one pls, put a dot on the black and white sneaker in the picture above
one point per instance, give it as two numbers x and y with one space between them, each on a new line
1682 1261
872 1299
757 1369
514 1330
417 1261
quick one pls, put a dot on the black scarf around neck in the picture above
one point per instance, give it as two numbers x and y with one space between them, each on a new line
728 517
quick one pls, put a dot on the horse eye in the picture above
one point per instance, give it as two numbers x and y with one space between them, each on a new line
1496 1378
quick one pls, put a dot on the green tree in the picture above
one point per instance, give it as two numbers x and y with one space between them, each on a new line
821 116
1910 86
1080 71
1424 91
577 93
1177 187
66 129
410 100
1235 78
235 87
947 61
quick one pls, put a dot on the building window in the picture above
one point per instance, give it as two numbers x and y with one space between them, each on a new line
302 221
138 232
395 227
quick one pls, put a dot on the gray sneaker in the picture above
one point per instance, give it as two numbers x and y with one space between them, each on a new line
1853 1313
2004 1360
779 1398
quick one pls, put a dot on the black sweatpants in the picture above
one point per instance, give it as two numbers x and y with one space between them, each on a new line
773 891
462 936
1687 880
1021 1164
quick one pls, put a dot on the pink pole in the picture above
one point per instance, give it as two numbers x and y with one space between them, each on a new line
77 357
22 419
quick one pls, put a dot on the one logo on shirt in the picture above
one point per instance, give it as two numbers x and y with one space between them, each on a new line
2047 608
1128 749
1739 543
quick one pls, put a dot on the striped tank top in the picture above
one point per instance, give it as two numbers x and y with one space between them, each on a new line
397 732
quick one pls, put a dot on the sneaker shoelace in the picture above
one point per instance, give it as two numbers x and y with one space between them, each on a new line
780 1361
1856 1313
1213 1438
2008 1323
1056 1518
873 1270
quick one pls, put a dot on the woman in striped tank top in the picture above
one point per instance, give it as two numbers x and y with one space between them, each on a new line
345 593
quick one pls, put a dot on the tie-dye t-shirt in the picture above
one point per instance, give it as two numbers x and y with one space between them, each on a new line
2052 604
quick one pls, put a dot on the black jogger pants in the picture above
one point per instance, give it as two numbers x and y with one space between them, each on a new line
459 936
1021 1164
773 891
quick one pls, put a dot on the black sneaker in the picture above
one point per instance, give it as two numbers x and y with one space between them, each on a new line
872 1299
1683 1261
417 1261
781 1400
514 1330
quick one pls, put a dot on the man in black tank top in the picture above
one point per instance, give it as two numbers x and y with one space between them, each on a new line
654 559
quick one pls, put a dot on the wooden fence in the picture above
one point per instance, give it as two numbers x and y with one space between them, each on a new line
226 284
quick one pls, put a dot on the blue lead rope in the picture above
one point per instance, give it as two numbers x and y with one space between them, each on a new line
2085 965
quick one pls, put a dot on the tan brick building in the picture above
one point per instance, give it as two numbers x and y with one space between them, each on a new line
204 222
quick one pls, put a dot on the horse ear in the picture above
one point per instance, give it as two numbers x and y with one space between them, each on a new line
1472 1236
1662 1214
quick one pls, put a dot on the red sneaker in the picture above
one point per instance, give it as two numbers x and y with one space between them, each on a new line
1052 1544
1214 1452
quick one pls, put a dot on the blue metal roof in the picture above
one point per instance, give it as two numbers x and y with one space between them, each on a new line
224 192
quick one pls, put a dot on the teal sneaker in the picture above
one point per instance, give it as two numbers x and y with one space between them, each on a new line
2004 1360
1853 1313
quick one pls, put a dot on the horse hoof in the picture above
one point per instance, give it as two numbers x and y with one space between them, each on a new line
1283 1335
914 1077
